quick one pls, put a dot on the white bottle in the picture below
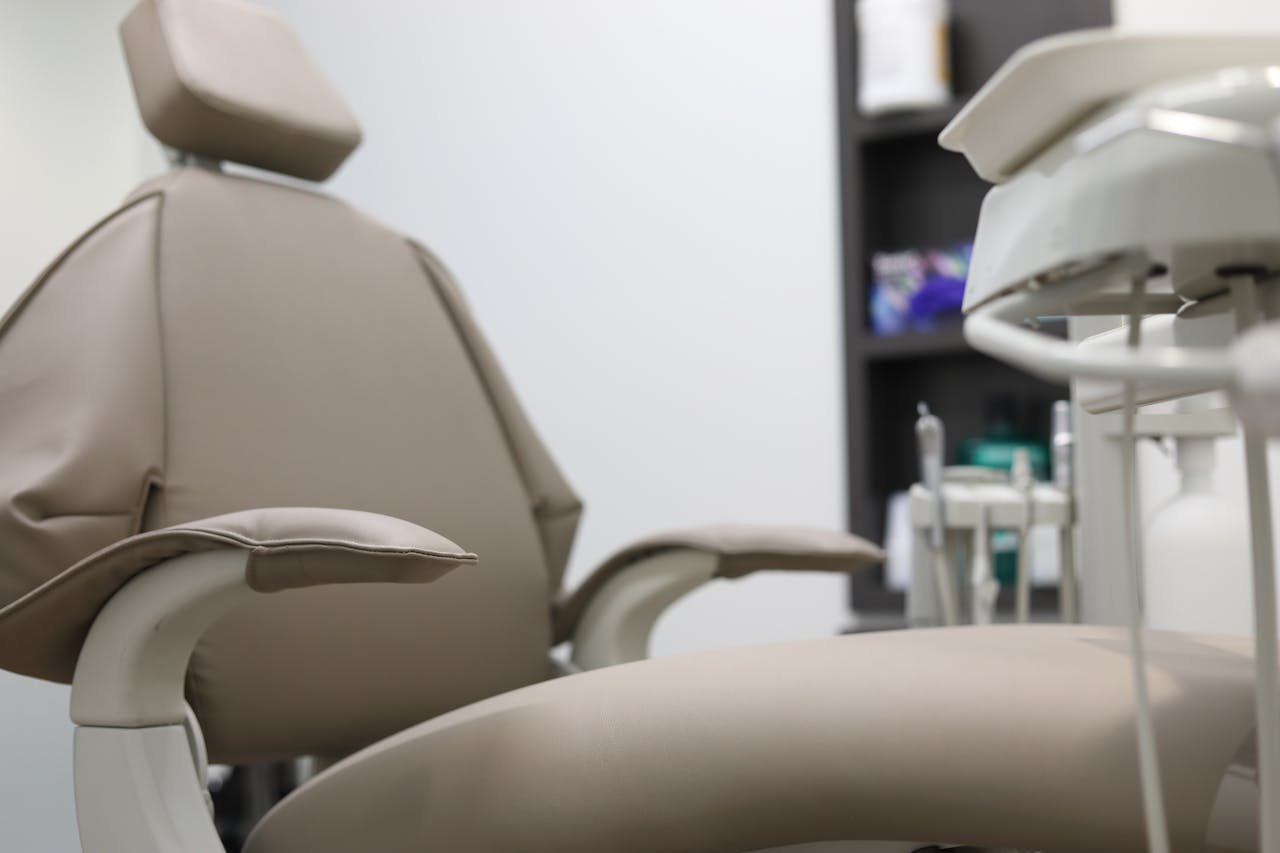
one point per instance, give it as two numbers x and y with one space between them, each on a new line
1196 562
902 55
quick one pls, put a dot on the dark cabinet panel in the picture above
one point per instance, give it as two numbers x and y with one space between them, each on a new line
900 190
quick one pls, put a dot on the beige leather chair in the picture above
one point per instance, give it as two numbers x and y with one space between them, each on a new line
235 411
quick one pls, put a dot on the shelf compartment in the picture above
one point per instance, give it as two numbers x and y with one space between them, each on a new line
946 340
928 123
915 195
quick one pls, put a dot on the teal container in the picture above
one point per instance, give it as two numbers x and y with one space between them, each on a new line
995 449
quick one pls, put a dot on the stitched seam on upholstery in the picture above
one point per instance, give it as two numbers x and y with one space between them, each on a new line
139 511
27 295
538 503
18 504
336 544
161 340
429 266
223 537
156 479
289 544
541 515
195 663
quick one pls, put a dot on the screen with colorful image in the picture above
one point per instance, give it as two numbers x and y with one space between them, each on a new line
917 289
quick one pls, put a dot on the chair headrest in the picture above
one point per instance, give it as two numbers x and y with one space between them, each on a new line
228 80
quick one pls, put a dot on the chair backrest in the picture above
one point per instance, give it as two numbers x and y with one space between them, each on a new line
223 342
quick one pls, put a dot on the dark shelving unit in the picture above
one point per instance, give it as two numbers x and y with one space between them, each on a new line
897 125
900 190
944 341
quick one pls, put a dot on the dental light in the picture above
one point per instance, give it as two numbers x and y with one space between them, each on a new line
1140 176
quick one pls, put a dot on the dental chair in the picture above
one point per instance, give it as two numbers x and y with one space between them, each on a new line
240 420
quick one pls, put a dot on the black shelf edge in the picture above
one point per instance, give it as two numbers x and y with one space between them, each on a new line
945 341
899 125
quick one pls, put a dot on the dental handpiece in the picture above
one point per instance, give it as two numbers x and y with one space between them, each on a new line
1063 442
1063 445
930 437
1024 481
985 587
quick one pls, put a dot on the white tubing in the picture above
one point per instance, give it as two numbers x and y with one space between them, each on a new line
1022 582
1069 595
1257 478
1264 618
984 587
993 328
1148 754
1024 481
945 579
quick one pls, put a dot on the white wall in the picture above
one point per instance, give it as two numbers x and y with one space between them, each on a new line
639 198
1197 15
69 150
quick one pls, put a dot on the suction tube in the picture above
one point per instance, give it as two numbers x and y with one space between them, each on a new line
1148 754
1266 634
994 328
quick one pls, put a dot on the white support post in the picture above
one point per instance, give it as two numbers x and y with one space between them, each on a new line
137 791
1099 520
616 625
137 776
1266 635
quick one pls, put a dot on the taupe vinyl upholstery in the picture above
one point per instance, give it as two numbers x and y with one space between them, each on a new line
288 548
1011 737
224 343
556 509
230 81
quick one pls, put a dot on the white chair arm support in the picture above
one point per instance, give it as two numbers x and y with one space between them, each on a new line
132 669
615 626
169 585
610 616
137 773
137 763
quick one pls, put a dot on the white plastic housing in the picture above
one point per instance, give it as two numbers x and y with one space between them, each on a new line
138 791
1074 204
616 625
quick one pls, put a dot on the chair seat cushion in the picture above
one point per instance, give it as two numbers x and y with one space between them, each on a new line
1013 736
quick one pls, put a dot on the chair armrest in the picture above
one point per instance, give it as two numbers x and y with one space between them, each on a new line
130 616
609 617
295 547
48 631
42 632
